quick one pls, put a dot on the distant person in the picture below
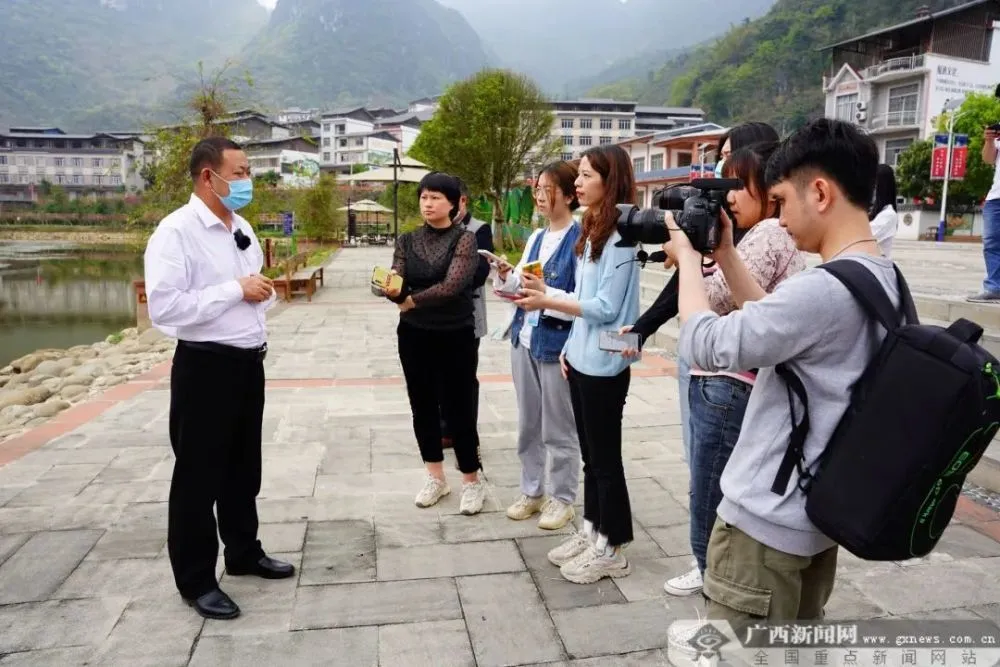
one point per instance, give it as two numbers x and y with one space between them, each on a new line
204 287
484 241
546 429
991 221
438 347
883 216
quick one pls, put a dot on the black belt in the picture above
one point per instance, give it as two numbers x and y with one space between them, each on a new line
554 323
241 353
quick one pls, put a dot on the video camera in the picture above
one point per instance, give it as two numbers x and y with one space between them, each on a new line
696 209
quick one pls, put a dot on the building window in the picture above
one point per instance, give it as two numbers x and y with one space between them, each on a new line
116 163
77 179
22 161
4 178
606 123
326 127
326 142
567 157
903 103
116 180
97 163
567 123
655 162
567 140
77 162
326 157
98 180
586 123
343 143
893 148
684 159
586 140
624 124
359 141
340 129
3 159
639 165
40 161
846 106
605 141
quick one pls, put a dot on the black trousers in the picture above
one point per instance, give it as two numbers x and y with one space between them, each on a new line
216 410
445 429
440 372
598 404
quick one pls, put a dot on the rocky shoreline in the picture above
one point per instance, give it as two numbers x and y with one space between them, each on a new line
40 385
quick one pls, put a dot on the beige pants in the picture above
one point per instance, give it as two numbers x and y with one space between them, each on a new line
746 581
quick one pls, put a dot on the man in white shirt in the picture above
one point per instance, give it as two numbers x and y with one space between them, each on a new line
991 222
204 287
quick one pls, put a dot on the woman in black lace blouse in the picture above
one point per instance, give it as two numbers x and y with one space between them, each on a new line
437 342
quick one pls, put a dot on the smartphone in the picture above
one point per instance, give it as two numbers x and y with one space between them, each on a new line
535 269
493 259
612 341
383 279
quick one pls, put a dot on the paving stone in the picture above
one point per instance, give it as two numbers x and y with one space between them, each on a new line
48 657
348 605
80 471
136 543
124 493
438 643
10 544
493 526
648 575
50 493
151 633
507 621
614 628
41 565
338 552
58 624
282 537
956 584
557 592
357 647
449 560
964 542
402 533
132 578
266 605
848 602
675 540
653 506
638 659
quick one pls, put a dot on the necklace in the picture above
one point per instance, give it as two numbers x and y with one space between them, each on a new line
841 251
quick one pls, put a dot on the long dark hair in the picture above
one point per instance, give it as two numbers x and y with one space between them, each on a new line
599 222
749 165
885 190
745 135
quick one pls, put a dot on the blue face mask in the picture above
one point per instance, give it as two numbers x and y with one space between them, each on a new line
240 194
718 168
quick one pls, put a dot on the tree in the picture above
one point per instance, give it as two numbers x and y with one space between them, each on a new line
913 172
316 213
488 130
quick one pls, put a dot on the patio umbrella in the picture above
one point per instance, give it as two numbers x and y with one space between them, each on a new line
400 170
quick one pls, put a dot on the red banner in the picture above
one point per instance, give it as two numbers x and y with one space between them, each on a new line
939 157
959 157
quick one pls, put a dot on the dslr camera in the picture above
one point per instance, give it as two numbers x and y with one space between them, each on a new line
695 207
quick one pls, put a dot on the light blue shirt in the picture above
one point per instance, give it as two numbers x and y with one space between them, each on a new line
608 293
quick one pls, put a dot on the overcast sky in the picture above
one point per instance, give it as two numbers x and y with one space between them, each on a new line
268 3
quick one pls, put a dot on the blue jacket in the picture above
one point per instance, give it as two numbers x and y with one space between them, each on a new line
550 335
608 292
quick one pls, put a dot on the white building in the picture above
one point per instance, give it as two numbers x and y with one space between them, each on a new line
360 135
295 115
894 82
98 164
293 158
581 124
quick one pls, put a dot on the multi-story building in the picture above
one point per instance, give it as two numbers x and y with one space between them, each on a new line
580 124
292 158
100 164
295 115
359 135
894 82
671 157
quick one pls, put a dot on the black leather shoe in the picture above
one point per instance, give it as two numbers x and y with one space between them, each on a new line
266 568
215 605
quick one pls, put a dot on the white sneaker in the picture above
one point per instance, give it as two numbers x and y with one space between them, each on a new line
434 490
556 515
680 652
596 565
473 497
686 584
525 507
577 544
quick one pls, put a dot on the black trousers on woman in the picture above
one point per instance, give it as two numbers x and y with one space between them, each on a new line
598 405
216 411
440 372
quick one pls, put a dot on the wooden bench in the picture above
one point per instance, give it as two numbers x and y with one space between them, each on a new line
298 278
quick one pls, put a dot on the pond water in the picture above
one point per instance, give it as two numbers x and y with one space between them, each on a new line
57 295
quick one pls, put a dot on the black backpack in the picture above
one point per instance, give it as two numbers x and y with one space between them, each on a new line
920 417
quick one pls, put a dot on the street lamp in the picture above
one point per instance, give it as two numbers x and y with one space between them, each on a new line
949 106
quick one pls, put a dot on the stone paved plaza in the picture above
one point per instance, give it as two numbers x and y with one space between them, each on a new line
85 579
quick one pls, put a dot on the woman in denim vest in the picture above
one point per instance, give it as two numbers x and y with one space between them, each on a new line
545 412
605 298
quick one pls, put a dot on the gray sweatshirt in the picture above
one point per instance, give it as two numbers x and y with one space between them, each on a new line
812 324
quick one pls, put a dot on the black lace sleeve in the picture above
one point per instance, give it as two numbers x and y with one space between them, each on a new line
460 274
399 266
663 309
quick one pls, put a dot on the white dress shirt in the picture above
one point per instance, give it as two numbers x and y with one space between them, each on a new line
193 269
884 226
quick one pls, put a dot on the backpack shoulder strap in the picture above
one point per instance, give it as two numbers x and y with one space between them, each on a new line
795 453
869 293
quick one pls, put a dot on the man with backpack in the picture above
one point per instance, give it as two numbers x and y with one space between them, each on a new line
766 558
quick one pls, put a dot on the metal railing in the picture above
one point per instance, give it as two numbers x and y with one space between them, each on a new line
904 64
896 119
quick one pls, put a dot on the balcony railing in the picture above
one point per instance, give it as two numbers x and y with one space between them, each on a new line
904 64
896 119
